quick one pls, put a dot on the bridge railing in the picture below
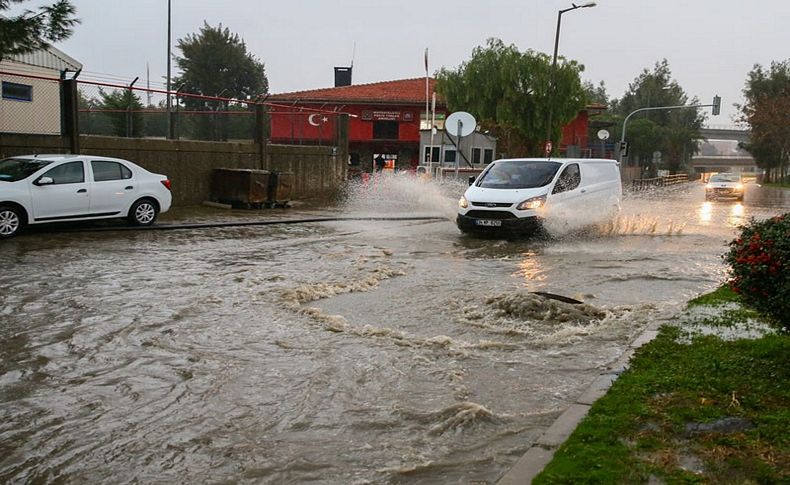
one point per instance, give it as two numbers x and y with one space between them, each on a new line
665 181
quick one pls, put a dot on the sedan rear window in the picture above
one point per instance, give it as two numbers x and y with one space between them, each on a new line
103 171
518 174
13 169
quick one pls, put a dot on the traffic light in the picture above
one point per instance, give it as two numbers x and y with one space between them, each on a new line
624 148
716 105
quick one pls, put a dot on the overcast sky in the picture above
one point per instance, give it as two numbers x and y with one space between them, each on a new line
710 45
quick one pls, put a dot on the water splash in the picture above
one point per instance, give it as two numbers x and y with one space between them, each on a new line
545 322
639 225
403 192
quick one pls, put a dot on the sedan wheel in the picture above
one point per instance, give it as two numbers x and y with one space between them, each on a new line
143 213
10 222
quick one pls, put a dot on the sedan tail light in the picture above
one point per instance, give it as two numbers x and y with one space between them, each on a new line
166 183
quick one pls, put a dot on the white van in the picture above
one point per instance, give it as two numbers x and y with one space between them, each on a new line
520 195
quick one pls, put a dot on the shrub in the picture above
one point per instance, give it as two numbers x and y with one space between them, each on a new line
759 262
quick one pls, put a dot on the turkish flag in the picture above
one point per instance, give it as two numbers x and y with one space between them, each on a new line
295 125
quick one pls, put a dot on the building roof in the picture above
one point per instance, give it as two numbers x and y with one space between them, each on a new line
402 91
50 58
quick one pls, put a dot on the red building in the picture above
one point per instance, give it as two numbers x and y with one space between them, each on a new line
385 120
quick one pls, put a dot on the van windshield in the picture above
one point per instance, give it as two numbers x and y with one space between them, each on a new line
518 174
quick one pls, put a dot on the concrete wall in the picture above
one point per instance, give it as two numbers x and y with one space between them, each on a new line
318 171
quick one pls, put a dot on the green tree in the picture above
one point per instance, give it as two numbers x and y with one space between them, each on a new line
767 111
92 120
122 107
508 92
215 62
32 30
596 94
674 133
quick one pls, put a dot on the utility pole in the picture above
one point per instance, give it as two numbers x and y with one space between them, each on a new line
554 68
169 121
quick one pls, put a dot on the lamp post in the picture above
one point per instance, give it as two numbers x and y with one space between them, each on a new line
170 131
554 63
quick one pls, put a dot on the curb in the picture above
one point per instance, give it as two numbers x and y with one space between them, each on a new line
542 451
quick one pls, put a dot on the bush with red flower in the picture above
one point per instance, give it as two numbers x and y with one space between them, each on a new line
759 262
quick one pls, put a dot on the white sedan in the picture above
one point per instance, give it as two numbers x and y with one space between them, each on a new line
724 185
36 189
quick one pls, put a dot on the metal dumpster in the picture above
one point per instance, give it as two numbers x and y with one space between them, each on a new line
240 187
280 187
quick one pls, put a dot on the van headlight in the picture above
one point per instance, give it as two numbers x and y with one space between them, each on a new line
739 187
532 204
463 203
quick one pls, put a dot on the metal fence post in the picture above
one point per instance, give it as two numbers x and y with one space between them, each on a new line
129 115
262 132
342 142
70 108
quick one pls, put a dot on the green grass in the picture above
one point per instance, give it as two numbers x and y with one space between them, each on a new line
784 183
720 296
639 428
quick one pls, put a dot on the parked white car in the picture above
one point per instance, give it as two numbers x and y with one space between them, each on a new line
37 189
520 195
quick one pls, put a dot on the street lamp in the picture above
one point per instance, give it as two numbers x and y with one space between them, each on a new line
170 131
554 61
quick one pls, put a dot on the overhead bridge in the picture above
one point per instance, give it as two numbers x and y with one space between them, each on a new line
725 133
741 162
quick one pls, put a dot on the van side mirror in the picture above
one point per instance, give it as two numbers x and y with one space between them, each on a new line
44 181
472 179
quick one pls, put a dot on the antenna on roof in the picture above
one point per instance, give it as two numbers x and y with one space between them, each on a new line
353 54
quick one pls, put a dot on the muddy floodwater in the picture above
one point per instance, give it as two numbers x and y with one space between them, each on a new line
336 352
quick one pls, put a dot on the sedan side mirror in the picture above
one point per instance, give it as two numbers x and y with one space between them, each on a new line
44 181
472 179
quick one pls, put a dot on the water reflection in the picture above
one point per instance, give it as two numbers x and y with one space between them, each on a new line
706 212
530 268
736 216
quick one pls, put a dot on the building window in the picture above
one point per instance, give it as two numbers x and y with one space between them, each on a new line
385 130
488 155
449 155
17 92
476 155
435 152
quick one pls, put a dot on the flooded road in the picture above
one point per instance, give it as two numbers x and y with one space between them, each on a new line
342 352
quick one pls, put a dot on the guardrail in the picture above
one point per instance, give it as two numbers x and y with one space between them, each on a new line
641 184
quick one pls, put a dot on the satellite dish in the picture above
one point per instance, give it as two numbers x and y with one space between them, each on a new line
603 135
467 126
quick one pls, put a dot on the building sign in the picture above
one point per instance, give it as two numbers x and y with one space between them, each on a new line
381 115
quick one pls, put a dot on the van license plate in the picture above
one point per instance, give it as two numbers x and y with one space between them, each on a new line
488 222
